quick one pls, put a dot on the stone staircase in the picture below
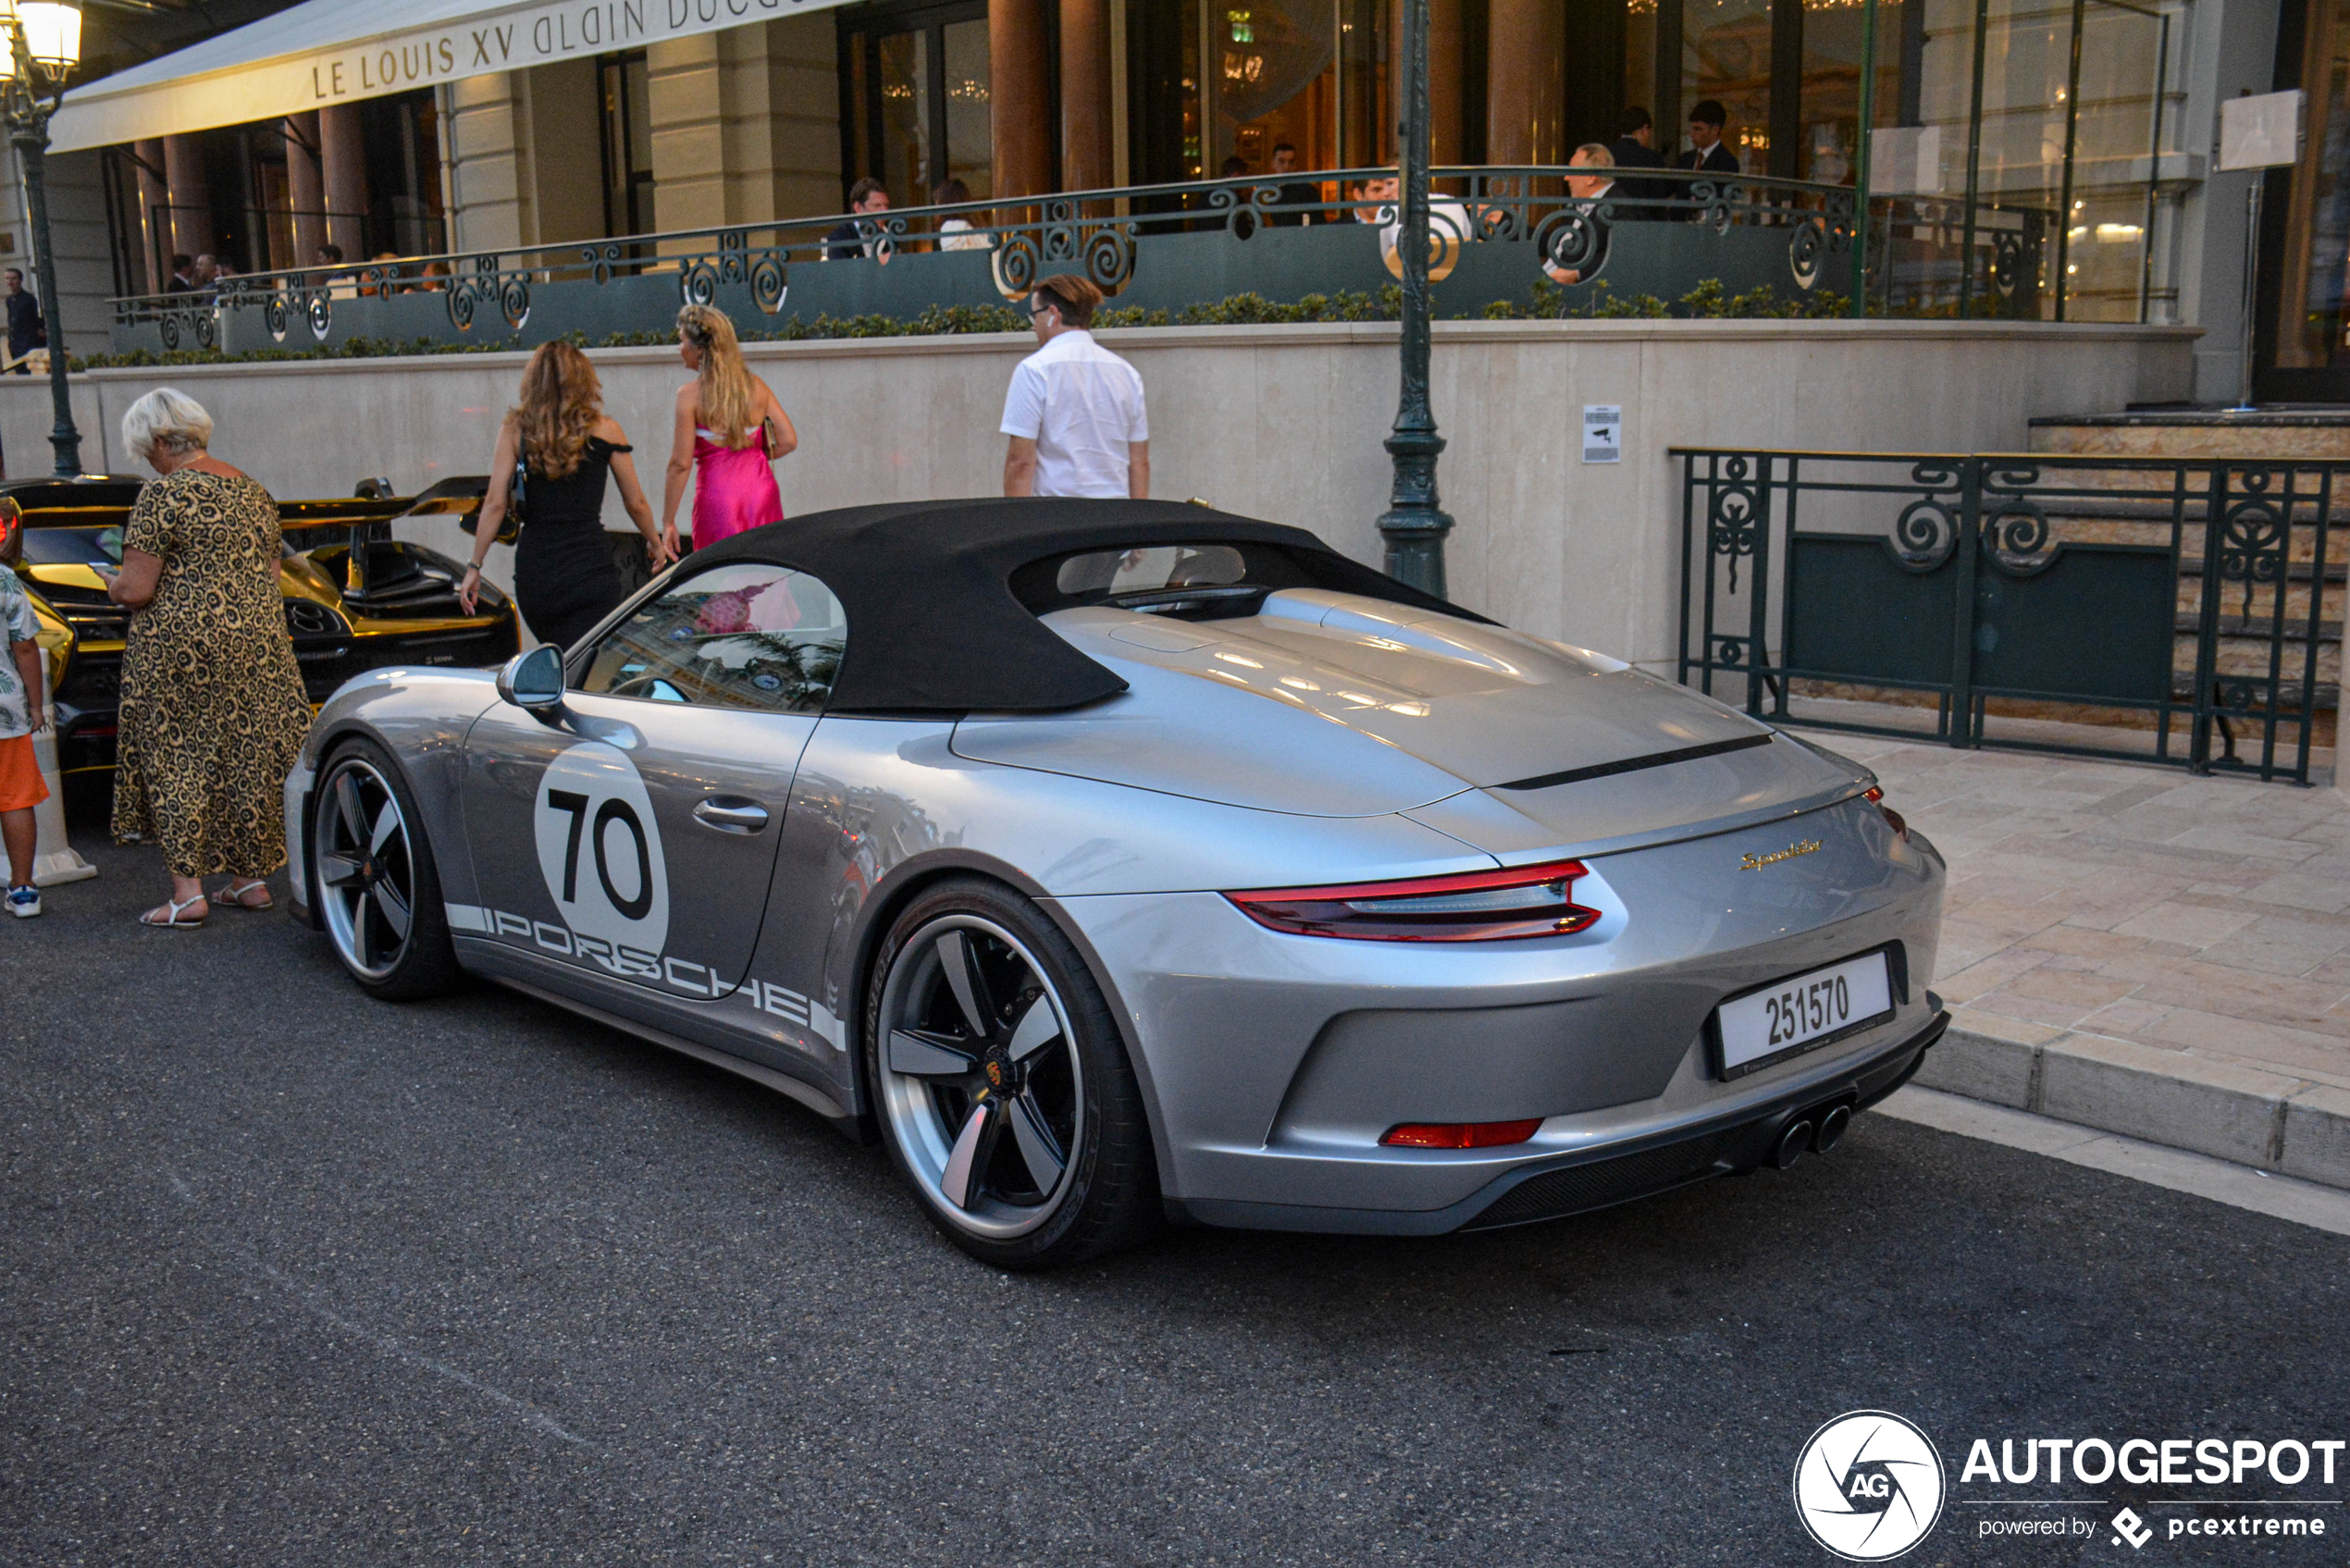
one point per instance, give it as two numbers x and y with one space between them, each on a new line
2266 436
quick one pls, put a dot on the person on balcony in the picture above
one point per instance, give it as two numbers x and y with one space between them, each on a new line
566 446
956 233
1707 153
1586 192
183 274
1074 413
1633 148
867 198
213 710
27 331
729 432
1295 194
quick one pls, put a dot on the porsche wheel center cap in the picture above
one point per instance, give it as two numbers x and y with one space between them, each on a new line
998 1068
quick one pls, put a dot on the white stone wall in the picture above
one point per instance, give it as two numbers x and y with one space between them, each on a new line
1276 422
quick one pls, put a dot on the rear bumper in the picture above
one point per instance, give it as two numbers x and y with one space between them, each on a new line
1621 1173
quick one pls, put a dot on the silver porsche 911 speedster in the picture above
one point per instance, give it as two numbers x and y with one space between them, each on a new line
1121 861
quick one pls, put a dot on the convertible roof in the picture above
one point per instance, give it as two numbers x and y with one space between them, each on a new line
933 624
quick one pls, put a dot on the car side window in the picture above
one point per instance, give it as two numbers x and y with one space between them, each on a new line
745 635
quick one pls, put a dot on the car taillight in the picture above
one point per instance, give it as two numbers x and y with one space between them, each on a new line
1459 1134
1471 907
1901 823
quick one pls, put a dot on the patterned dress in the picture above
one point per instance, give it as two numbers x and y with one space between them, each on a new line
213 710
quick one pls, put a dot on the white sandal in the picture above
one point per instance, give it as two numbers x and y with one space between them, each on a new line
235 894
172 913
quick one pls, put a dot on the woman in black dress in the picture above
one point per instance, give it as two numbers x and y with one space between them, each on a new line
565 579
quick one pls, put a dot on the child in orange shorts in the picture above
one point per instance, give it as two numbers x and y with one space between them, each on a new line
23 711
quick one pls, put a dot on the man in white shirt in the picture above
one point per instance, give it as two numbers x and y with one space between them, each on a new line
1074 412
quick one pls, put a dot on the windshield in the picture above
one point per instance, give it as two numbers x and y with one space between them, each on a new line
73 546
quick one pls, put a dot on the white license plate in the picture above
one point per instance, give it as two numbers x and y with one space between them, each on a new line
1801 1013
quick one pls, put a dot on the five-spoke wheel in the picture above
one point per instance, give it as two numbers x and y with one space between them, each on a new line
1002 1086
376 883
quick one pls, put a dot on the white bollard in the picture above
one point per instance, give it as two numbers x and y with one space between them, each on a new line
53 859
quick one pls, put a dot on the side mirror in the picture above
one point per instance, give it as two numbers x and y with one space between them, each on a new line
533 679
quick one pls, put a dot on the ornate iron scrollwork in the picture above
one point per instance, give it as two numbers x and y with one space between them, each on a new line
1733 515
2016 537
1571 237
1924 535
1730 651
488 284
2256 538
1102 251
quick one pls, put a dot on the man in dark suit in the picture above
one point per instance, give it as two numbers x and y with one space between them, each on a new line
1294 193
1707 154
1635 148
867 198
27 331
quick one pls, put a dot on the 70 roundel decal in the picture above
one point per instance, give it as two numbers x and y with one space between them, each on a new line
600 847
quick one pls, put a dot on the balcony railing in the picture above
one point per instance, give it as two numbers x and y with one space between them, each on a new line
1507 236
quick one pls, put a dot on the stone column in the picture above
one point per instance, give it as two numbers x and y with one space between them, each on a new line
1088 149
1019 73
190 196
343 153
305 186
154 224
1525 82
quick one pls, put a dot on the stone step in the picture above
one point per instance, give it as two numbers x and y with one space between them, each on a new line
2307 432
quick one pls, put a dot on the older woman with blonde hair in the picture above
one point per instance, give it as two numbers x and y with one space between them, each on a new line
213 713
728 433
564 447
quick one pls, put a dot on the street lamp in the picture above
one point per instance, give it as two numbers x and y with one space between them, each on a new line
1413 524
43 44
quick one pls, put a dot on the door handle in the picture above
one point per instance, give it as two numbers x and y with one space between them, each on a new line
731 813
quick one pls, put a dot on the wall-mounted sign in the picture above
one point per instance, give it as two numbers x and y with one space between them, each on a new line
313 56
1602 432
2260 132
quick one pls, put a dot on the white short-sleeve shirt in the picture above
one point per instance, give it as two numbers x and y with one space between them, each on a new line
1080 404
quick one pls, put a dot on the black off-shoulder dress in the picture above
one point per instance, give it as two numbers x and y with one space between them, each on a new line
565 579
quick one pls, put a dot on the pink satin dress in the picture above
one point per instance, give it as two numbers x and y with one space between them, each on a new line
734 489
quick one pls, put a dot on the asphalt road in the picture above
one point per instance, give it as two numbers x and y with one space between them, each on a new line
289 1277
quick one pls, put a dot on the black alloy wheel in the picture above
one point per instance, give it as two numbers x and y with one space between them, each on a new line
1001 1085
376 885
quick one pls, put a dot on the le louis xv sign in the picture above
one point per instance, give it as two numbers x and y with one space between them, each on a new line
521 37
220 84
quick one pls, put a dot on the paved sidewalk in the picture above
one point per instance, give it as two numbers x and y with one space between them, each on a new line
2135 949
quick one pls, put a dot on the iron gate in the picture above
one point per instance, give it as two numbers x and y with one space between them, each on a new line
2195 592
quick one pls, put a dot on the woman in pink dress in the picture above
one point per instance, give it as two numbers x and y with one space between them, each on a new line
729 432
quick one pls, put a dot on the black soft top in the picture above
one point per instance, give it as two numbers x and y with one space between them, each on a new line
943 616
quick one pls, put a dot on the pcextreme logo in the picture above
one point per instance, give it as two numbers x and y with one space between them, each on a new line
1868 1486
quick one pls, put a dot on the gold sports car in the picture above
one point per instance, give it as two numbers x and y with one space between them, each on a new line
355 598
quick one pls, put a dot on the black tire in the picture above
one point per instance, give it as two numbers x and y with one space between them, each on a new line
363 876
1048 1078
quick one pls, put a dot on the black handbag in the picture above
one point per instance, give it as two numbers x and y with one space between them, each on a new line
510 529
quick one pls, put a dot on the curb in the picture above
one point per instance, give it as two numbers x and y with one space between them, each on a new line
2290 1126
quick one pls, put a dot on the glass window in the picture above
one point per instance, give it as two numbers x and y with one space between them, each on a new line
1725 56
1141 571
968 127
747 636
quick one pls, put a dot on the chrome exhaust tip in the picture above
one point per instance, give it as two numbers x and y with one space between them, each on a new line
1834 1123
1794 1139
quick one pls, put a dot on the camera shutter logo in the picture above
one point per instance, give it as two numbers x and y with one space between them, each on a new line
1868 1486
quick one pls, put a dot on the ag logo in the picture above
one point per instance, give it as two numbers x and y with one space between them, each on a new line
600 847
1868 1486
